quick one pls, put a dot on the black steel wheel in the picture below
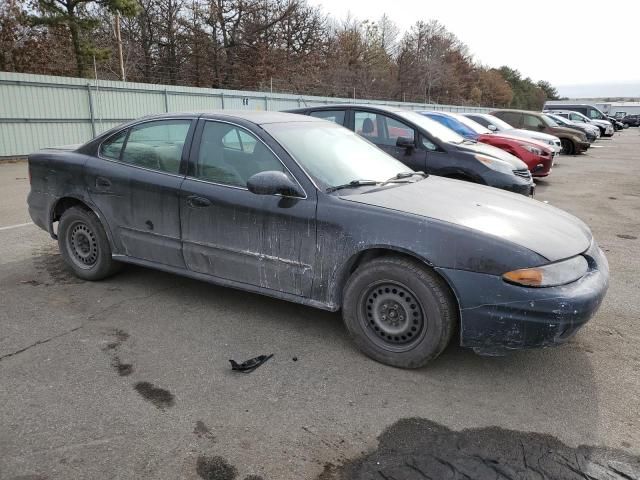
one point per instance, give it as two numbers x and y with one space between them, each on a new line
567 146
84 245
398 311
392 316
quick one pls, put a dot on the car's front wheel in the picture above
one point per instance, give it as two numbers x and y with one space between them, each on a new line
84 245
568 147
399 312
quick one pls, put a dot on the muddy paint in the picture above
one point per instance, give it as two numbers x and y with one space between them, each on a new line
415 448
160 397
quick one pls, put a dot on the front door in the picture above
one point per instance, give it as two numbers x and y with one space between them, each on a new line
384 131
229 232
135 183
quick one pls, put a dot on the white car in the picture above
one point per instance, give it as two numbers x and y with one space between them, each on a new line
497 125
605 126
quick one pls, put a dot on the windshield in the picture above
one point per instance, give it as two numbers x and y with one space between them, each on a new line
559 120
473 125
498 122
431 127
452 123
333 155
549 121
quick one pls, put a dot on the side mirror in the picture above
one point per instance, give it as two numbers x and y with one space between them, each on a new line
492 127
273 183
404 142
540 126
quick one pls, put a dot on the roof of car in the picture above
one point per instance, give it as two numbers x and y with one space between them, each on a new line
259 117
517 111
385 108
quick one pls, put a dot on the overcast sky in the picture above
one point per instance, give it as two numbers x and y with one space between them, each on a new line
567 42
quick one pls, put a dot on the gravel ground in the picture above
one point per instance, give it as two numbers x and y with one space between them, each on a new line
130 378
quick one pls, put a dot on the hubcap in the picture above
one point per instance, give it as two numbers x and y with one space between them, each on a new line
83 245
393 315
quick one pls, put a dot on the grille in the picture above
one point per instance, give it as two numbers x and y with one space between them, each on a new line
522 172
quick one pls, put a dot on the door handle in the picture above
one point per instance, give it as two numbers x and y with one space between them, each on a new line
197 202
102 182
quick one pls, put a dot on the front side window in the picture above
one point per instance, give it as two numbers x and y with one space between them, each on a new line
230 155
381 129
335 116
595 114
157 145
532 122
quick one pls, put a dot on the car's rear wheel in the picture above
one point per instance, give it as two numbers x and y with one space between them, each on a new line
399 312
568 148
84 245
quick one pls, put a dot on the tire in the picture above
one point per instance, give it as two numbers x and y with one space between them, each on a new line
568 148
399 312
84 245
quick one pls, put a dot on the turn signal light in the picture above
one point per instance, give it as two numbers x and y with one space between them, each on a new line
527 276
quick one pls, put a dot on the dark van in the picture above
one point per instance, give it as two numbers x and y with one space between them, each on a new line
589 110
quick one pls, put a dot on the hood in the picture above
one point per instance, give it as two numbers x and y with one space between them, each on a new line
531 140
540 136
491 151
603 123
565 131
541 228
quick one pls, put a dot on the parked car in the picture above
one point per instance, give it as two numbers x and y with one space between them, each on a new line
573 142
617 124
423 144
605 126
495 124
307 211
631 120
537 155
591 131
589 111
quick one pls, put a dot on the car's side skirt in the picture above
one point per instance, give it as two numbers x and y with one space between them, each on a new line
228 283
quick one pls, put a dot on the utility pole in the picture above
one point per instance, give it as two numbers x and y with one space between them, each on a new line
119 40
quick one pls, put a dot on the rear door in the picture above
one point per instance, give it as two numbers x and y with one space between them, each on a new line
135 183
384 131
230 233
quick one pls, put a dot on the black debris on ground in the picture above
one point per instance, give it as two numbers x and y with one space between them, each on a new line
250 365
215 468
416 448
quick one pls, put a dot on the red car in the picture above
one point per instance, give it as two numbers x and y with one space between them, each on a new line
537 155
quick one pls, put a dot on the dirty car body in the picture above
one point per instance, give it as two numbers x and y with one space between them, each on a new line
165 200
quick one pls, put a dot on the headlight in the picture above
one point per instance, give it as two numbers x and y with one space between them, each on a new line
550 275
532 149
495 164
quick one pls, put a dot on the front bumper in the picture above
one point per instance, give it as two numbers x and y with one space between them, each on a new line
583 146
496 317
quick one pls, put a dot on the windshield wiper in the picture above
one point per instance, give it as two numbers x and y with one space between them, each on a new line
352 183
403 176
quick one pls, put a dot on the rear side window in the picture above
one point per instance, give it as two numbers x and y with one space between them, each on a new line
157 145
336 116
512 118
481 120
112 147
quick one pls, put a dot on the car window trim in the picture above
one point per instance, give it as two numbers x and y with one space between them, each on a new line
192 160
188 139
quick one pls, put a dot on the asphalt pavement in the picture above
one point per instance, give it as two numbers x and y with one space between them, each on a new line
130 377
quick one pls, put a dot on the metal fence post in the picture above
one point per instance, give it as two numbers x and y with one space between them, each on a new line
266 102
91 115
166 101
222 100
